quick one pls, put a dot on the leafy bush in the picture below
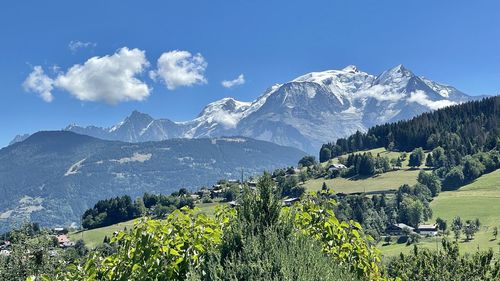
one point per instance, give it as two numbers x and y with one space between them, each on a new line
154 250
259 240
445 264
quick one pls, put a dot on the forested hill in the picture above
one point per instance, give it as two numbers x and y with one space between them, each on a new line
467 128
52 177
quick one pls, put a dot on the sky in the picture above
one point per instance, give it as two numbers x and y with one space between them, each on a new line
93 62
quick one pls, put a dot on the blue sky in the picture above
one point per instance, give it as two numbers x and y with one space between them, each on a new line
454 42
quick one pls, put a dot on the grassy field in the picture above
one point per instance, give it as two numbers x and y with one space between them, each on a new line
94 237
479 199
390 180
385 181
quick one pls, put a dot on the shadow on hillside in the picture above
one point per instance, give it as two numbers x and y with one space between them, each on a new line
358 177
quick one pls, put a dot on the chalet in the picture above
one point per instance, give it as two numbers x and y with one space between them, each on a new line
233 181
217 193
64 242
397 229
58 230
290 201
428 229
336 167
203 192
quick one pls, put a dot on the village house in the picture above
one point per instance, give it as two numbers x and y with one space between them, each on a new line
59 230
216 193
203 192
64 242
336 167
398 229
428 229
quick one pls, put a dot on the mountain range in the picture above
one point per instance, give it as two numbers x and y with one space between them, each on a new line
53 177
304 113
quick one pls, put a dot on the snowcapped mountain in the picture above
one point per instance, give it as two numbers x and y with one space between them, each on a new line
305 112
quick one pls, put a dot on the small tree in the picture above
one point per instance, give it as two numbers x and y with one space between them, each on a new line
325 154
307 161
416 157
456 227
469 229
454 177
442 224
431 181
495 232
429 161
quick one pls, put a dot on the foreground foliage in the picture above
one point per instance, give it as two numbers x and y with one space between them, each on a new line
259 240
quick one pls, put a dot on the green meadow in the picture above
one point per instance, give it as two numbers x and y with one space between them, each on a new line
479 199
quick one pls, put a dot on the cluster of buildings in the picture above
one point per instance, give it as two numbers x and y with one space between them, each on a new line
218 190
423 229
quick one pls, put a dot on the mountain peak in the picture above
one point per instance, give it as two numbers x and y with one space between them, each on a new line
400 70
139 116
350 68
137 113
398 75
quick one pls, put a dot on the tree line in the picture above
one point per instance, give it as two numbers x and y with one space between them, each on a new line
119 209
461 129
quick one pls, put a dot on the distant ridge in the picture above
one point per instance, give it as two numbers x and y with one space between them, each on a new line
53 176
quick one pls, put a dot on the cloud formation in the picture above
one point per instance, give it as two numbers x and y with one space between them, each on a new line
180 68
235 82
421 98
381 93
111 79
74 46
38 82
117 77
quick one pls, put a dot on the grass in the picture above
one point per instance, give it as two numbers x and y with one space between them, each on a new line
479 199
385 181
94 237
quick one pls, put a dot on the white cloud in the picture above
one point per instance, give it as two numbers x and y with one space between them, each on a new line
235 82
381 93
421 98
74 46
180 68
226 119
38 82
110 78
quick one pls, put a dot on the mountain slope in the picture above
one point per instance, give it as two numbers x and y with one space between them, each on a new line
52 177
312 109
